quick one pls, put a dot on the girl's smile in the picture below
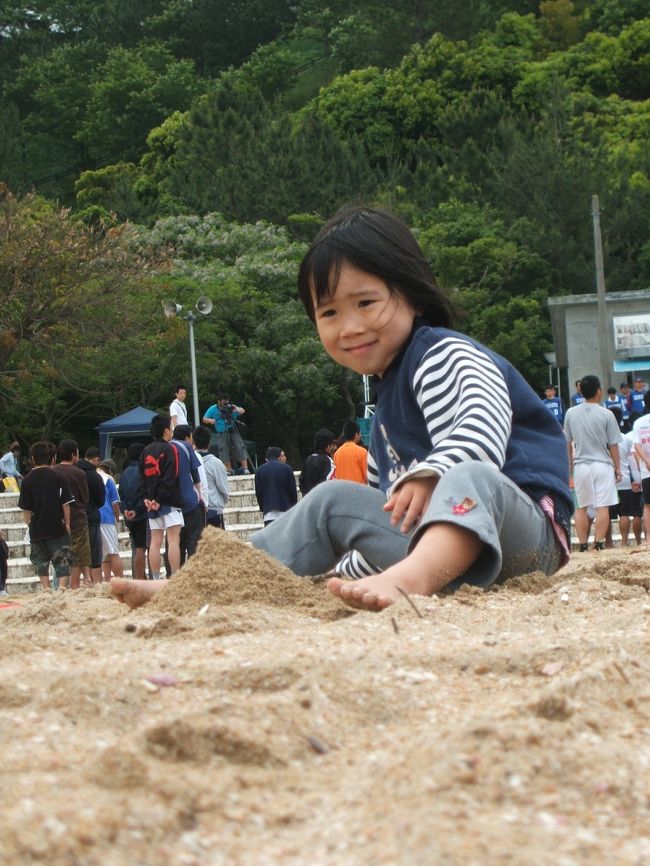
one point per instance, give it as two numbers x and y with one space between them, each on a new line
364 325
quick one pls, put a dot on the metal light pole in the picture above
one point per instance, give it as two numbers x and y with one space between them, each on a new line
603 330
172 309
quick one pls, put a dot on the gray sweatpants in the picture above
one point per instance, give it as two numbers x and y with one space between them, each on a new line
338 516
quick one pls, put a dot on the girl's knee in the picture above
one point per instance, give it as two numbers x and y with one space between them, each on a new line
472 474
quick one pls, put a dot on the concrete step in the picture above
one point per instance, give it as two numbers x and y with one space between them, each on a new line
13 532
21 548
242 499
11 516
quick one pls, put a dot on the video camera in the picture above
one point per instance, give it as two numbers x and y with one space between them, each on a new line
227 412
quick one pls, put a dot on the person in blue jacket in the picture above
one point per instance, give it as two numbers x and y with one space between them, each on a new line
275 485
553 403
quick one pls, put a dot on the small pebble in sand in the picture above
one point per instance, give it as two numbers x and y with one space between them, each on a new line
164 680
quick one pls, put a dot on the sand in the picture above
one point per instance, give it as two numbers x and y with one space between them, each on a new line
245 718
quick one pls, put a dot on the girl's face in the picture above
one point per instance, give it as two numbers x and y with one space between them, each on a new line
363 325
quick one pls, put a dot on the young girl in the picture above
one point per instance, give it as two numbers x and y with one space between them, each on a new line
468 470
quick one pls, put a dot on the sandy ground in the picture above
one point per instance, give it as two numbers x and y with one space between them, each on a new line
247 719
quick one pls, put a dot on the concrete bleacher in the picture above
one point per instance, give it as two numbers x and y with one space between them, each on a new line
241 515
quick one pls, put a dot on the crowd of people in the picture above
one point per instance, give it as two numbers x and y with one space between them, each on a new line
609 456
168 491
628 400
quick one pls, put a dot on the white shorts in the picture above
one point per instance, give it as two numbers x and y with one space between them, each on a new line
595 484
174 518
110 543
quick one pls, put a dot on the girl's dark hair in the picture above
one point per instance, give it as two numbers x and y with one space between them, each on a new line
380 243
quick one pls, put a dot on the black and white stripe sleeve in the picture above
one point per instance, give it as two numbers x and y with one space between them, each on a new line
466 406
373 473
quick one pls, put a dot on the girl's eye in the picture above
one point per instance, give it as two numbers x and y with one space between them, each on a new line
367 302
326 314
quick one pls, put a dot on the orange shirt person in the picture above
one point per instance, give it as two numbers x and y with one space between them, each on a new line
350 459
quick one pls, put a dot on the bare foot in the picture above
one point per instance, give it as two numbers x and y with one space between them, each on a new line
369 593
443 553
135 593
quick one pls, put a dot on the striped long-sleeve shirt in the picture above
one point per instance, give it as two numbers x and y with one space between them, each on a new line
464 401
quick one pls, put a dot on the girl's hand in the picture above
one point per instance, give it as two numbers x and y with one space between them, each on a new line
409 502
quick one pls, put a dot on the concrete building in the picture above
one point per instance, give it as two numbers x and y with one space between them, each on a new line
625 350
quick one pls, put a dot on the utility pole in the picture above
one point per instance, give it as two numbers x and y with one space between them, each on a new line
603 330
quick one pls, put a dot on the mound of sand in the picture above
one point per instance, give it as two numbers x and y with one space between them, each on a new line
226 572
245 717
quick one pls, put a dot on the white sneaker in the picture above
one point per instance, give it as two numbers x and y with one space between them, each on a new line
3 592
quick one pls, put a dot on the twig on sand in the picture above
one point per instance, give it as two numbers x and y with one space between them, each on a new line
317 745
395 626
621 671
409 599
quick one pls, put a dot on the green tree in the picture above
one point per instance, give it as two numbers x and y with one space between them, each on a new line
559 23
50 95
247 157
76 315
216 35
133 92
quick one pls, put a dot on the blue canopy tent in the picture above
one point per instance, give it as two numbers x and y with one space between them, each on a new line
133 424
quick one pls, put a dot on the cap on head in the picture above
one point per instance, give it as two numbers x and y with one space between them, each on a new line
108 466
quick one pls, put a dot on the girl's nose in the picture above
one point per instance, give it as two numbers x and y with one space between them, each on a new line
353 323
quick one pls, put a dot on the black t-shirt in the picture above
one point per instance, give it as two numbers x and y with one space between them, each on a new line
78 487
44 492
318 467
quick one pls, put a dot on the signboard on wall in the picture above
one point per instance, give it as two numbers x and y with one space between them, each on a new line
632 336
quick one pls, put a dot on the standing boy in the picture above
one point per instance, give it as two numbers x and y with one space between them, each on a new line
109 515
319 466
9 464
593 435
4 567
132 507
637 405
189 485
68 452
223 416
350 458
96 498
641 439
177 408
218 492
45 503
159 468
578 397
275 485
553 403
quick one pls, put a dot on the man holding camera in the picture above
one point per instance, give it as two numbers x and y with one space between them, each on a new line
223 416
